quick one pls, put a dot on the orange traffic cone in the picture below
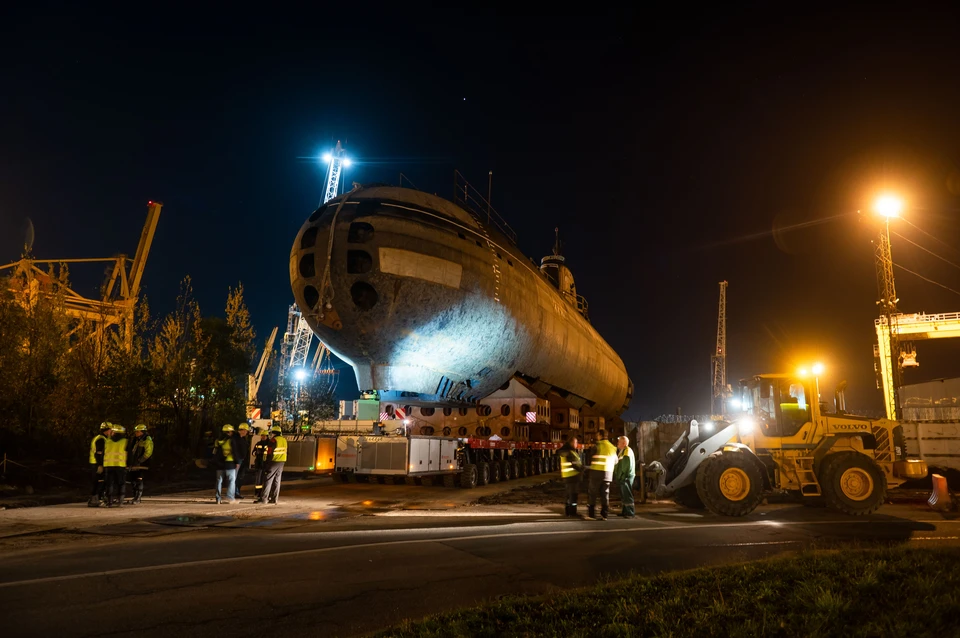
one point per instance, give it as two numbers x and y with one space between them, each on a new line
940 499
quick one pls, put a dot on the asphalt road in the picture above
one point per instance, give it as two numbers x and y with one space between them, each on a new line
364 575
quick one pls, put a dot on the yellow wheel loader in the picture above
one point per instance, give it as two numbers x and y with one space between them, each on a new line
785 441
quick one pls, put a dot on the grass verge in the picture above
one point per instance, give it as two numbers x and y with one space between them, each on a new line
878 592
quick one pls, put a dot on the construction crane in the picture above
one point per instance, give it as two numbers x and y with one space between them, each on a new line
116 306
254 380
719 359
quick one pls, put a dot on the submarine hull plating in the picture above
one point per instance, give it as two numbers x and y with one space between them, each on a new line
419 296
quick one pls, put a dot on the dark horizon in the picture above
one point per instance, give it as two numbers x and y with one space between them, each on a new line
673 152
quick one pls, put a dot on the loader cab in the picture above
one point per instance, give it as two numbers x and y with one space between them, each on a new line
781 404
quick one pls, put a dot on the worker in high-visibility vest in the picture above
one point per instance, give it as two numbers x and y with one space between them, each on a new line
115 466
570 468
138 458
97 446
225 462
277 456
623 475
601 473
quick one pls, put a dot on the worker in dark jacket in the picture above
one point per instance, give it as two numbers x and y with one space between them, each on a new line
96 464
243 454
138 460
261 454
570 469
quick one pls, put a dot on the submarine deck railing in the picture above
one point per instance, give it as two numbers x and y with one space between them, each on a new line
477 205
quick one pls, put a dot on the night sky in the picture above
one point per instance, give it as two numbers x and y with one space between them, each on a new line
671 151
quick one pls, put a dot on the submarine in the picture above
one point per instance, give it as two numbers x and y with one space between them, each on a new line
432 300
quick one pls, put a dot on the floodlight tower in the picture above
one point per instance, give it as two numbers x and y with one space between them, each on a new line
336 162
719 358
888 207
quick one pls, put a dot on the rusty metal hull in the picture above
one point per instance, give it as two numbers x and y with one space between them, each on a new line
421 297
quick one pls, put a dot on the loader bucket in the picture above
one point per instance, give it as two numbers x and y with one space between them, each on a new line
940 499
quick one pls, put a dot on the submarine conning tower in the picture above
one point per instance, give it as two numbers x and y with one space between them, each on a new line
555 268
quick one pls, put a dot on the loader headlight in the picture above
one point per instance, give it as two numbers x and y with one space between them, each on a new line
708 426
746 425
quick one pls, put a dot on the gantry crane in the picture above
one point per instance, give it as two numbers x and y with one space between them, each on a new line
116 306
719 359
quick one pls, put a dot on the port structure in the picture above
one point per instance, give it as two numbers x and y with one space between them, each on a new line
32 279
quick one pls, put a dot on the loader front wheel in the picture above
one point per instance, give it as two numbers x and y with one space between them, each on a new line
729 483
852 483
687 497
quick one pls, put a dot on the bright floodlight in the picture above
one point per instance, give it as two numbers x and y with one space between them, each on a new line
802 372
745 425
818 368
888 206
327 157
347 162
300 374
734 403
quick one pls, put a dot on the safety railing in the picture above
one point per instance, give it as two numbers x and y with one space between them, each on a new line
477 205
920 318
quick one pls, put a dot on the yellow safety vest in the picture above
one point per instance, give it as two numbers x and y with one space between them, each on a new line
280 451
93 447
604 459
566 466
115 453
227 449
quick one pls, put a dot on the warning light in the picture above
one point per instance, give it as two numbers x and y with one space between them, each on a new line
368 502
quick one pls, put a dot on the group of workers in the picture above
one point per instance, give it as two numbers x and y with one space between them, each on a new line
230 457
116 460
602 463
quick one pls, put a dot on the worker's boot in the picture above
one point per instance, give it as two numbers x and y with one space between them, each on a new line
94 501
137 492
590 514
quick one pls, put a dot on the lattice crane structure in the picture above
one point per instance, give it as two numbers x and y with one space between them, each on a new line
32 278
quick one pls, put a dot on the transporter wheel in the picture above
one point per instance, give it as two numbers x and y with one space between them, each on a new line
449 480
410 480
538 465
852 483
468 476
514 468
730 484
426 481
363 478
528 465
521 471
495 472
483 473
506 470
687 497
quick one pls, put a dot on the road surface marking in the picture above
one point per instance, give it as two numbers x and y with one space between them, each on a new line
419 541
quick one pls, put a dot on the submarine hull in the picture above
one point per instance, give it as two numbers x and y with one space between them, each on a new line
421 297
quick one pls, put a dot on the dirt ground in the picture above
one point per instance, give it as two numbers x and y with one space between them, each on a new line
549 493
